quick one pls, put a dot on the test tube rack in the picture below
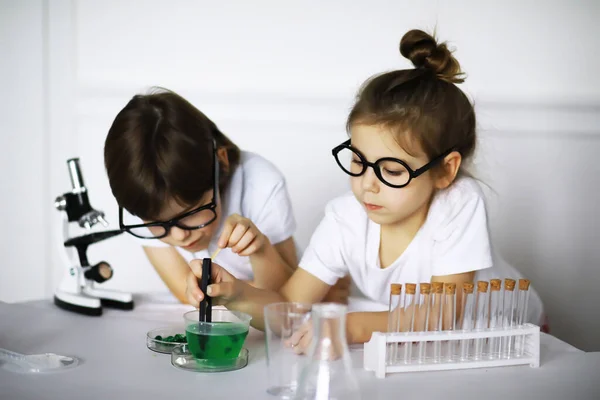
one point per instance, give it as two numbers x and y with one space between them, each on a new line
526 350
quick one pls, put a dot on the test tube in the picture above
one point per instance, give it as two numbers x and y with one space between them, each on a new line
435 317
467 312
523 302
508 316
449 316
422 317
408 318
481 316
394 319
495 317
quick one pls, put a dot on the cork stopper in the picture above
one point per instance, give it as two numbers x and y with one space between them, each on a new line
396 288
495 284
482 286
468 287
411 288
425 288
509 284
450 288
523 284
438 287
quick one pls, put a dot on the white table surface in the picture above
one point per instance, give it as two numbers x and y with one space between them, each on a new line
117 365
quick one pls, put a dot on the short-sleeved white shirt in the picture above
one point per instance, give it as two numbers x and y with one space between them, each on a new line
257 191
453 239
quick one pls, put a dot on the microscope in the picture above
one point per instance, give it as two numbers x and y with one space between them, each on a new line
78 291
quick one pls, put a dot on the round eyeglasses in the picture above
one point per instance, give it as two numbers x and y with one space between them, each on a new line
393 172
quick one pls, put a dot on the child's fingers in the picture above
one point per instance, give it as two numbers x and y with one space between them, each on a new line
224 284
244 242
228 227
300 333
295 338
252 248
224 290
304 343
193 293
196 267
238 232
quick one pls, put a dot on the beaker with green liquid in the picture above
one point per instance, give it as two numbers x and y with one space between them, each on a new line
220 339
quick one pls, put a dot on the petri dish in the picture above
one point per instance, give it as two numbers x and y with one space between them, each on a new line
181 358
160 345
36 363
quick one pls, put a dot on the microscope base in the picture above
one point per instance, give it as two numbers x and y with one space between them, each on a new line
110 303
80 304
110 298
91 301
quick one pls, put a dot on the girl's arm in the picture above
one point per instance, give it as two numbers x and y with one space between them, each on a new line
171 267
273 265
458 279
361 325
287 251
302 287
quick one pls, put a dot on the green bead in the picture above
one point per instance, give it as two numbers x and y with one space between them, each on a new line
158 337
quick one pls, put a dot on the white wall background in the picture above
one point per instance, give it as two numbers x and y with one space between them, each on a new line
275 73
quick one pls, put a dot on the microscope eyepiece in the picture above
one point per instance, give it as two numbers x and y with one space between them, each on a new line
75 175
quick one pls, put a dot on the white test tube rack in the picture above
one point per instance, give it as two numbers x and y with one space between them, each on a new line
526 335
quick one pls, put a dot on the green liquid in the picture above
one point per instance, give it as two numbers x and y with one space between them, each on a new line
222 340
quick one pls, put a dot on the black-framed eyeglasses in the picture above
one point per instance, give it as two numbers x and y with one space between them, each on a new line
194 219
391 171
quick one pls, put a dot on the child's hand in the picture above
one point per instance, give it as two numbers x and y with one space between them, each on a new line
301 339
242 236
339 292
224 287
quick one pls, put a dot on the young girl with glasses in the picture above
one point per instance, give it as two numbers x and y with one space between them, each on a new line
414 215
184 189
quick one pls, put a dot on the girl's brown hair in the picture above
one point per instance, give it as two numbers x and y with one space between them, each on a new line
160 147
423 105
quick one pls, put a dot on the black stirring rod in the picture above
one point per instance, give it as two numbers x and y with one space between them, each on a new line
208 262
205 311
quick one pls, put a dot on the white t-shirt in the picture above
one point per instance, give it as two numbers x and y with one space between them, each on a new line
257 191
453 239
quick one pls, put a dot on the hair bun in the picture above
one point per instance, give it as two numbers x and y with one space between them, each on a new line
424 52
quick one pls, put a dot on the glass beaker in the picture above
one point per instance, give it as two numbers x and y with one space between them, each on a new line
329 374
282 322
223 338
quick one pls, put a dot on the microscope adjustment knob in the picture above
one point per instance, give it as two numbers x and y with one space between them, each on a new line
60 203
100 272
91 218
